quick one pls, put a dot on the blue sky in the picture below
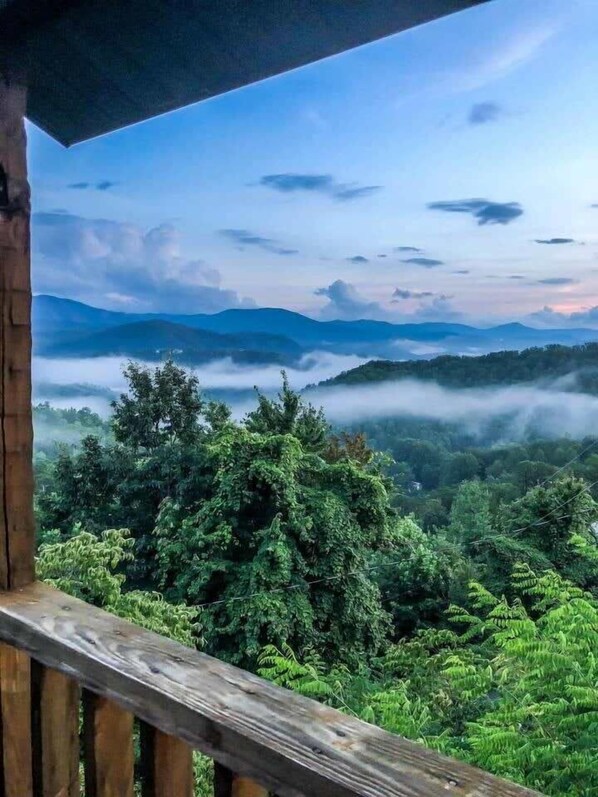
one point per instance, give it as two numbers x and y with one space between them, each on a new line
446 173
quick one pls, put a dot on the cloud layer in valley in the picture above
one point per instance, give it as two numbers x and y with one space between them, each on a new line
544 410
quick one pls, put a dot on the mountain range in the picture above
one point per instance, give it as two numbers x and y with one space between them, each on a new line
66 328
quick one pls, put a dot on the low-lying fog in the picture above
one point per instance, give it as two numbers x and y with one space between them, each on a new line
546 410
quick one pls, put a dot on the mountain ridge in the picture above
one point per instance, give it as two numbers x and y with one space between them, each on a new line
59 323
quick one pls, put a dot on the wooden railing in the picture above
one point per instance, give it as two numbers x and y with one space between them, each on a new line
57 652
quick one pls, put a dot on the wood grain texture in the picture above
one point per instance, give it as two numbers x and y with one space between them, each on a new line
294 746
15 707
55 733
108 753
166 764
227 784
16 434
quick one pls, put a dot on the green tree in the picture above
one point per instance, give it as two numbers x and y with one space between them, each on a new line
278 549
470 519
162 406
289 414
89 567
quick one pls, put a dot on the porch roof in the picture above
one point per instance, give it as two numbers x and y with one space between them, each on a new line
93 66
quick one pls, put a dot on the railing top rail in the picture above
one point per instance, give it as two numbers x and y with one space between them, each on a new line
291 744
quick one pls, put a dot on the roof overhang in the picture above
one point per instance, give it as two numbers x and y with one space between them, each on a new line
93 66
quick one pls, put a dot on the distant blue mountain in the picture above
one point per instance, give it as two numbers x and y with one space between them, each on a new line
68 328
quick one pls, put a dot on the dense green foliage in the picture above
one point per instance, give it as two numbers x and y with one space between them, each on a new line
497 368
511 687
444 590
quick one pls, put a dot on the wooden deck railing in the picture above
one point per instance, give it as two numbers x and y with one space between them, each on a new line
57 652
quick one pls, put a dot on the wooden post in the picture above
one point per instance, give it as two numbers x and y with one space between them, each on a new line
166 765
227 784
16 435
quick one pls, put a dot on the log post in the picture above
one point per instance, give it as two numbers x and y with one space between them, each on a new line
16 434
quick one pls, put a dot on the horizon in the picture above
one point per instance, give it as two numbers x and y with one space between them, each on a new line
133 313
443 174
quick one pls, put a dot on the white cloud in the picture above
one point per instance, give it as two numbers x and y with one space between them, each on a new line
120 263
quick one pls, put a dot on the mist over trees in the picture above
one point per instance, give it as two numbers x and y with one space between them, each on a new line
397 570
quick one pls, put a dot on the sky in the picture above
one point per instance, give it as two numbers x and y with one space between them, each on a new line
449 172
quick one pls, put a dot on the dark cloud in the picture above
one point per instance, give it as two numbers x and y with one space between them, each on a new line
516 277
555 240
483 112
425 262
102 185
245 238
382 255
345 302
288 183
356 192
120 264
557 281
358 259
462 271
407 249
405 293
595 205
483 210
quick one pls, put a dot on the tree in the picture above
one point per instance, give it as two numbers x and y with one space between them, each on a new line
460 467
87 567
470 520
163 406
548 517
515 692
289 414
279 549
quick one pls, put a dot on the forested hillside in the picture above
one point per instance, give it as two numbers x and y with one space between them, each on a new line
498 368
291 549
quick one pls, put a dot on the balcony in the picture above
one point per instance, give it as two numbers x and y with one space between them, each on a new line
60 653
79 70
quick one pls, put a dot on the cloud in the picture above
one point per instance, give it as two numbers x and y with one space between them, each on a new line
405 293
439 309
544 411
407 249
382 255
102 185
549 317
289 183
516 277
483 210
558 281
483 112
358 259
462 271
245 238
594 205
495 62
117 263
555 240
345 302
425 262
356 192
